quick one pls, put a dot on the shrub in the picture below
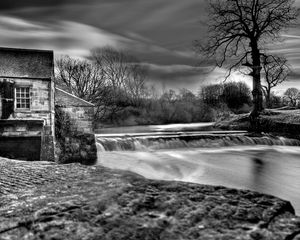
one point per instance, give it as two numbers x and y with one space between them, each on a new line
236 94
63 124
71 145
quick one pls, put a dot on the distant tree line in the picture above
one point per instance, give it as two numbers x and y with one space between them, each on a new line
235 95
291 97
116 83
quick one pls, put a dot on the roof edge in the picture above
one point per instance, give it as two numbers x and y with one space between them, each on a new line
27 78
26 50
72 95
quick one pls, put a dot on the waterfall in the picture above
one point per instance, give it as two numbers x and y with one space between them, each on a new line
198 140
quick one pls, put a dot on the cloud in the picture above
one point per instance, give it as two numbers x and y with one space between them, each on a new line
65 37
291 36
16 4
70 37
175 76
192 78
13 23
76 39
157 32
289 47
170 24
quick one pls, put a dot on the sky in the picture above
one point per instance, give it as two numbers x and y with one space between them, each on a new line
159 32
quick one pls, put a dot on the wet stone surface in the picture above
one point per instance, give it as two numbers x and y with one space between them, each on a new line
40 200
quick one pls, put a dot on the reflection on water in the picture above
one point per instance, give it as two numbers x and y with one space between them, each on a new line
267 169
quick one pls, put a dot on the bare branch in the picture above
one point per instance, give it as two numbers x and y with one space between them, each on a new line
238 31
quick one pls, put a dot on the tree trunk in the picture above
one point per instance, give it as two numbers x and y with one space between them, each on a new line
257 92
257 89
268 99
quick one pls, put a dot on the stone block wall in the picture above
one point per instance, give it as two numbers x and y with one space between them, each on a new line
33 69
73 144
79 147
41 101
38 121
81 118
74 126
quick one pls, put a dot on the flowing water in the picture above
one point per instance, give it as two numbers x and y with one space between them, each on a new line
233 159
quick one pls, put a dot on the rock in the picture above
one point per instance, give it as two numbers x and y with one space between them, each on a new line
83 154
75 147
71 201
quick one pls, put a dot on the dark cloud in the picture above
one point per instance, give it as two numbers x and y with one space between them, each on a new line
176 76
158 32
295 75
17 4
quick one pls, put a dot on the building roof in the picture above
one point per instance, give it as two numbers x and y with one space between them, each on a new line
26 63
65 99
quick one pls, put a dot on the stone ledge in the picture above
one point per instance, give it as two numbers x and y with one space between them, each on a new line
18 121
21 134
41 200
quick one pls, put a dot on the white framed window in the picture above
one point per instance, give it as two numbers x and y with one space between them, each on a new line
22 97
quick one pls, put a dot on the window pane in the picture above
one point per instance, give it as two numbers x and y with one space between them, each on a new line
23 97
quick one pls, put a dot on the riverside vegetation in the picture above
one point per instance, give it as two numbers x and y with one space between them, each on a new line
128 100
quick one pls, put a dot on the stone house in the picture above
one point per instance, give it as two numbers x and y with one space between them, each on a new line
80 111
27 105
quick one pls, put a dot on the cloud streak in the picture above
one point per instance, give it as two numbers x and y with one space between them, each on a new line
158 32
62 36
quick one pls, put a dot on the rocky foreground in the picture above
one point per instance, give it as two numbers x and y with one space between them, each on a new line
41 200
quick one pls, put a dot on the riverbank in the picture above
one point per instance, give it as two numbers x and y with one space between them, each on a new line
41 200
277 122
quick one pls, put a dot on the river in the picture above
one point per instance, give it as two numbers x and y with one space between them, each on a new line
266 168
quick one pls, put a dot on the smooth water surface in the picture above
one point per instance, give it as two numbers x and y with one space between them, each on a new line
158 128
272 170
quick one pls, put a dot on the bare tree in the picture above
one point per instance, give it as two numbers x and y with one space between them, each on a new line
124 74
211 94
135 84
80 77
83 79
239 31
275 71
292 94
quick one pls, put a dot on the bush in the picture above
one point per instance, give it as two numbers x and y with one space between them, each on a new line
72 146
236 94
63 124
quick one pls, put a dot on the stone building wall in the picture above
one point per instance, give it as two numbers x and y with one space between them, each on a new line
80 111
40 101
33 69
16 129
74 129
81 118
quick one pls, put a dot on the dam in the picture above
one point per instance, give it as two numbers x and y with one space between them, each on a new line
236 159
